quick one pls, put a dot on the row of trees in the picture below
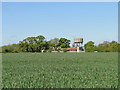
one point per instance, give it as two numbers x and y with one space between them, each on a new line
37 44
103 47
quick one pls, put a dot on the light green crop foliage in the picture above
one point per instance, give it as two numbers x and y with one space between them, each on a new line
60 70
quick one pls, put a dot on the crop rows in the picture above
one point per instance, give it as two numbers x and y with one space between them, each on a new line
60 70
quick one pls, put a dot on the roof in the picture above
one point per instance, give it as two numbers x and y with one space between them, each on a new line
72 49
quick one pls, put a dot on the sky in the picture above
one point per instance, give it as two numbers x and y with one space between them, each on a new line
92 21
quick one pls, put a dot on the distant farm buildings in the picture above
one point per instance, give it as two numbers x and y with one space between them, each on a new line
77 46
72 49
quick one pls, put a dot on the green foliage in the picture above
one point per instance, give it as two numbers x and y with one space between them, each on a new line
103 47
108 46
0 49
10 48
53 43
23 46
89 47
37 44
33 44
64 49
118 47
40 38
64 43
60 70
44 45
113 46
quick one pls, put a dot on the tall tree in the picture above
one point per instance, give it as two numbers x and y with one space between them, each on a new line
53 43
32 44
23 46
39 39
89 47
44 45
113 46
108 46
64 43
104 47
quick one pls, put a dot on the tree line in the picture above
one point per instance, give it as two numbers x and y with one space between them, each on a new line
106 46
40 44
37 44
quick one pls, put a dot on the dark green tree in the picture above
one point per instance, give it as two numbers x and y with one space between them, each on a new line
44 45
89 47
32 44
64 43
113 46
40 39
108 46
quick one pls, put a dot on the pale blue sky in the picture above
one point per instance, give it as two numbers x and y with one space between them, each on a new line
96 21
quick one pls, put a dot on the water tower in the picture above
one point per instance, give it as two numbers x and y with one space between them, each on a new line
78 42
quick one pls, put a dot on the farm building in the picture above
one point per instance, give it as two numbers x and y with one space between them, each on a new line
77 46
72 49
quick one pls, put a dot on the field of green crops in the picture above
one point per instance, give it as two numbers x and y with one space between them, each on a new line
60 70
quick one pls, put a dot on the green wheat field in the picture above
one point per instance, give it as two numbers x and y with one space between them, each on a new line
60 70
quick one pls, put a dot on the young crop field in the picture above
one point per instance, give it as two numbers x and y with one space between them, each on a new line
60 70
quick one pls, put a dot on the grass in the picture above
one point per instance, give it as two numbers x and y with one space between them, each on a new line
60 70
